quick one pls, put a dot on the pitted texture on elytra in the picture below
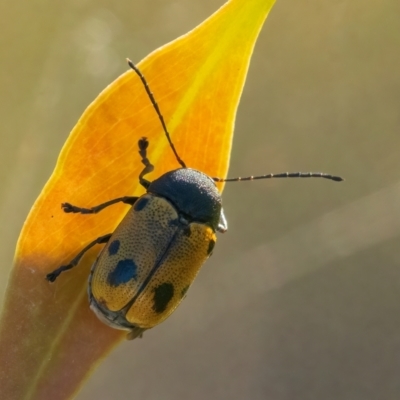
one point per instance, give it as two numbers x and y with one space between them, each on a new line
178 267
144 237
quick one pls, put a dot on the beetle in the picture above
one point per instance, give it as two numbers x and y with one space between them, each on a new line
149 262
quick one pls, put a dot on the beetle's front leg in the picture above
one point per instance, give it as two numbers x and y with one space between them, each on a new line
69 208
148 166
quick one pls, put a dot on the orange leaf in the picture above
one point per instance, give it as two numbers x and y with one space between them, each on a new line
49 339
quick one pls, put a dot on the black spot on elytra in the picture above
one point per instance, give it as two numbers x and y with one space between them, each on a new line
122 273
210 247
140 204
184 291
113 247
162 296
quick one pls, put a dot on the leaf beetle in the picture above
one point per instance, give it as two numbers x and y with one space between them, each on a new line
148 263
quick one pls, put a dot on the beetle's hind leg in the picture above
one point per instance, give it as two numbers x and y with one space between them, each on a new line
69 208
52 276
148 166
135 333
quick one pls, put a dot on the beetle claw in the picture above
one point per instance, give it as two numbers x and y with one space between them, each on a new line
52 276
69 208
135 333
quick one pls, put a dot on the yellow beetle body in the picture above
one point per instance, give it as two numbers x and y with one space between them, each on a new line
153 256
148 264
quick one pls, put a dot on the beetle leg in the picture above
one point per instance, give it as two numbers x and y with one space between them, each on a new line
135 333
148 166
69 208
52 276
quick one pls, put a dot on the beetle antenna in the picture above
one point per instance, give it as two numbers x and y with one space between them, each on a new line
283 175
155 105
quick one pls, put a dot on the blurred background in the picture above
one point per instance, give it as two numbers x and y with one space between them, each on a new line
301 297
